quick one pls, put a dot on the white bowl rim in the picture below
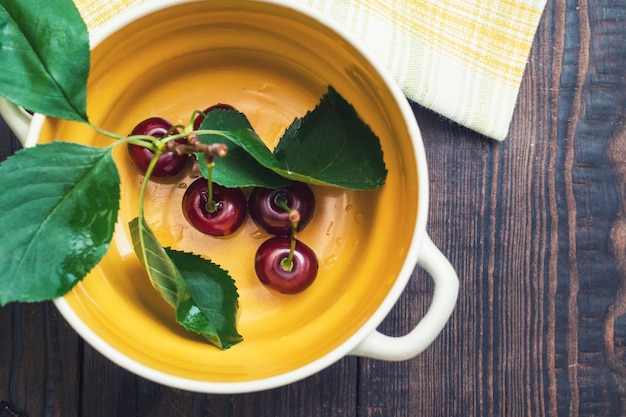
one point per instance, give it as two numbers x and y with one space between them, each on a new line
135 12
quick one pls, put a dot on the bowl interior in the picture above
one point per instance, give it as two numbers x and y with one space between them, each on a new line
273 64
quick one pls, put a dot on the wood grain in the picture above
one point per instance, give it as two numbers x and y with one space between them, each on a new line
535 227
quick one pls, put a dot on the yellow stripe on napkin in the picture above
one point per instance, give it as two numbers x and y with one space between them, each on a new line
97 12
464 59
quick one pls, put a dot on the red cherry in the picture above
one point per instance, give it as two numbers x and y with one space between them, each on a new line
170 163
268 264
229 208
269 208
200 118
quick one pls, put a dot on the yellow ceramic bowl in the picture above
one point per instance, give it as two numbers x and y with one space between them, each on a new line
273 62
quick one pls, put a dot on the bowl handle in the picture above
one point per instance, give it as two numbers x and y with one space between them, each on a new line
380 346
16 118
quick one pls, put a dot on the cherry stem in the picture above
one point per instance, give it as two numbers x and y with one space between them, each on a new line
211 205
287 263
193 145
144 185
195 114
281 201
294 216
210 152
107 133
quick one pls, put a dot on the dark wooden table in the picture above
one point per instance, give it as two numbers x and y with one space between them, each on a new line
535 227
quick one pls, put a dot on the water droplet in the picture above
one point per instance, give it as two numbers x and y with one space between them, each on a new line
349 207
339 241
257 234
359 217
330 226
330 260
182 185
265 87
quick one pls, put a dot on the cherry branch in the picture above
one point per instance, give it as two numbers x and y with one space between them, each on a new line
193 145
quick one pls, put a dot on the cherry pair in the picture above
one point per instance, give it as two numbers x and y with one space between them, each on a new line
282 262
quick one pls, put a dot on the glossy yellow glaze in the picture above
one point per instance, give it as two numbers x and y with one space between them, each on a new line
274 67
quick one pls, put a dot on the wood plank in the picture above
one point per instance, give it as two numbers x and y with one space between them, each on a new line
40 359
111 391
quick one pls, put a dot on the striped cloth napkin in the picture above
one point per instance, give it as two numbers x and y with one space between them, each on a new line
463 59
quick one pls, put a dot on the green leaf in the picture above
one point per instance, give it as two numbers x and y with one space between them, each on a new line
203 295
332 145
57 216
44 50
240 167
161 270
207 299
202 164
